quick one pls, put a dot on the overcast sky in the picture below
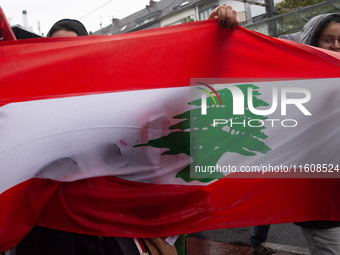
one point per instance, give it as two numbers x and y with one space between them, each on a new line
47 12
90 13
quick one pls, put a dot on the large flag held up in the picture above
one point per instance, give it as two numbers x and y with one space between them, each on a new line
113 135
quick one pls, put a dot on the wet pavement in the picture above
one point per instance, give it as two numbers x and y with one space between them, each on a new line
196 246
284 238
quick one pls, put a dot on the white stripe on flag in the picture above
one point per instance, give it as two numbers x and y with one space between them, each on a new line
74 138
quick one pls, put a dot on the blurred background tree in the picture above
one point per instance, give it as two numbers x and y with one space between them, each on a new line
293 22
187 20
293 4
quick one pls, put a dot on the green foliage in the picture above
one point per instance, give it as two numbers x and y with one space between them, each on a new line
187 20
293 4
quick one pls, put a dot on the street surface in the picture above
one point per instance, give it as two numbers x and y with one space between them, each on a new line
284 238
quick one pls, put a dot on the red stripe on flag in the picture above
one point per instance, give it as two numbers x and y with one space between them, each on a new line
98 64
20 208
109 206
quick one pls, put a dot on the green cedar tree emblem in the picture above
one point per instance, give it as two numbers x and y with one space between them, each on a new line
205 144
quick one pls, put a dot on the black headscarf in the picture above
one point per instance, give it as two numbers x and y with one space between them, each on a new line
68 25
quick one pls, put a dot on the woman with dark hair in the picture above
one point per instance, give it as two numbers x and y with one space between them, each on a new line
323 31
67 28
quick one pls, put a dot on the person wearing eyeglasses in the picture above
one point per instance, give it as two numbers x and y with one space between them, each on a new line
323 31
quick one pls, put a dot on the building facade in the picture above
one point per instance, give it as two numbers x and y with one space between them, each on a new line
253 17
171 12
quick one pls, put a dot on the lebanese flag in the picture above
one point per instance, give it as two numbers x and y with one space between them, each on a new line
102 135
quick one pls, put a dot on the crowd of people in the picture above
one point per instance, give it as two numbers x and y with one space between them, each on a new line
323 237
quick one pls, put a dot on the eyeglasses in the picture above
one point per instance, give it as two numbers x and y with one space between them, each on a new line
327 39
